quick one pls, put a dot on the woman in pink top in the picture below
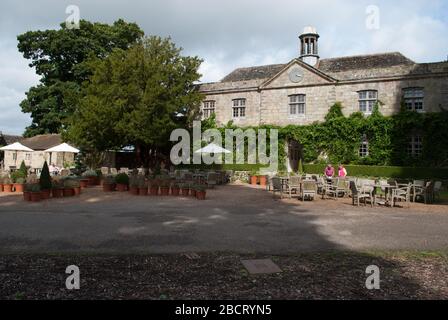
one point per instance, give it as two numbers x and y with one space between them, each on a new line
329 172
342 172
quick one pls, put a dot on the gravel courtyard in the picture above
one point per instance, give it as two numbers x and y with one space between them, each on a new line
234 218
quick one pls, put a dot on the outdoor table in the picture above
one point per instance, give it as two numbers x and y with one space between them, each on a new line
388 190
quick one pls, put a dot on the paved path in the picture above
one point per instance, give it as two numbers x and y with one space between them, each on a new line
233 218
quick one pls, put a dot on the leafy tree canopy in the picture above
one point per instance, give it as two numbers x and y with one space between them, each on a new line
60 57
137 97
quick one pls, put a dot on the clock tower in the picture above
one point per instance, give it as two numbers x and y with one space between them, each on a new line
309 52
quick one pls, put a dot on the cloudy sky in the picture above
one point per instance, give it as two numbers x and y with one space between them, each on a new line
230 34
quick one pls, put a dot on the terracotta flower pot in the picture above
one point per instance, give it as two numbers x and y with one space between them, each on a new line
92 181
253 180
35 196
175 191
1 187
200 195
121 187
18 187
108 187
77 191
154 191
143 191
133 191
57 193
164 191
68 192
84 183
185 192
27 196
45 194
262 180
7 187
193 193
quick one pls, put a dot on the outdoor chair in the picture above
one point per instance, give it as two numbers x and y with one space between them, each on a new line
402 194
425 191
124 170
365 194
328 189
113 171
342 187
277 186
418 187
294 185
308 189
104 171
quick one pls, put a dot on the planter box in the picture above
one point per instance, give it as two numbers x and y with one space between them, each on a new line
18 187
133 191
200 195
185 192
193 193
253 180
175 191
35 196
57 193
1 187
27 196
143 191
262 180
69 192
153 191
77 191
164 191
7 187
108 187
45 194
84 183
121 187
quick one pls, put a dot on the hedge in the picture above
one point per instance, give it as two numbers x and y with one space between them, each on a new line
234 167
385 171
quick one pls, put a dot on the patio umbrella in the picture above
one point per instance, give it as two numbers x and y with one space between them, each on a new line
64 148
16 146
212 148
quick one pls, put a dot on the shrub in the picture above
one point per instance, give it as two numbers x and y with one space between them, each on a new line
20 180
200 187
35 188
57 184
17 175
45 179
71 183
109 179
23 169
122 178
90 174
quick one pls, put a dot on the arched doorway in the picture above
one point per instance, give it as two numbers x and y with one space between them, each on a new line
294 152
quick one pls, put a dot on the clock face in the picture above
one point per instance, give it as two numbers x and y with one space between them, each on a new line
295 75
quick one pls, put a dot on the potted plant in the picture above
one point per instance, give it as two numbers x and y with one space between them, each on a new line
91 176
76 186
108 183
143 187
69 185
154 187
57 188
7 184
1 183
263 180
35 193
193 190
27 192
200 191
164 187
122 181
253 178
19 184
184 189
175 190
45 181
133 184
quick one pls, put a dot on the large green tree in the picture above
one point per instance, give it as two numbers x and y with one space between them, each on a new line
137 97
60 57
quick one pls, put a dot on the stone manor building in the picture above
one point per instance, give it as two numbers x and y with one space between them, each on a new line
301 91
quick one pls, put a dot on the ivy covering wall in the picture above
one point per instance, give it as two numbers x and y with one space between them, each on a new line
338 138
